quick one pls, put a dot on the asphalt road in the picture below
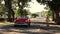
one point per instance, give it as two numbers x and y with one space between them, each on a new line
35 28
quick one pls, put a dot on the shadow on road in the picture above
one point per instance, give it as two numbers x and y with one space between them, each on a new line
8 28
44 23
11 28
0 33
51 28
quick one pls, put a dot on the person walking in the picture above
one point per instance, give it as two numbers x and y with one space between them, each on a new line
47 21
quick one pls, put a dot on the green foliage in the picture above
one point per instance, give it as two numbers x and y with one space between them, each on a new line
25 12
34 15
22 6
17 13
48 13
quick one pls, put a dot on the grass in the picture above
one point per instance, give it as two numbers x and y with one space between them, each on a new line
4 22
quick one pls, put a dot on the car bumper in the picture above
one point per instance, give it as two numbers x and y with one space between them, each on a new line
20 24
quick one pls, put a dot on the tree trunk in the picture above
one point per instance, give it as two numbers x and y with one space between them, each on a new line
57 17
8 5
54 15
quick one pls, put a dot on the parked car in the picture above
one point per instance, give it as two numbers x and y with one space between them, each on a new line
22 21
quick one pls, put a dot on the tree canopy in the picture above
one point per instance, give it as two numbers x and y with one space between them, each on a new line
34 15
53 4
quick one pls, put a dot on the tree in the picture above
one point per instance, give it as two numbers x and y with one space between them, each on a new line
48 13
17 12
26 12
34 15
22 4
8 5
55 7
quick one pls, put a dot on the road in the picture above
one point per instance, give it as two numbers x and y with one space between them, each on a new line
35 28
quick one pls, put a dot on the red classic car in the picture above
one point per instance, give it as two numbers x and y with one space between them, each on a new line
22 21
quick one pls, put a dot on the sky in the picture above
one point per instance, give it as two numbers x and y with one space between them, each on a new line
35 7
